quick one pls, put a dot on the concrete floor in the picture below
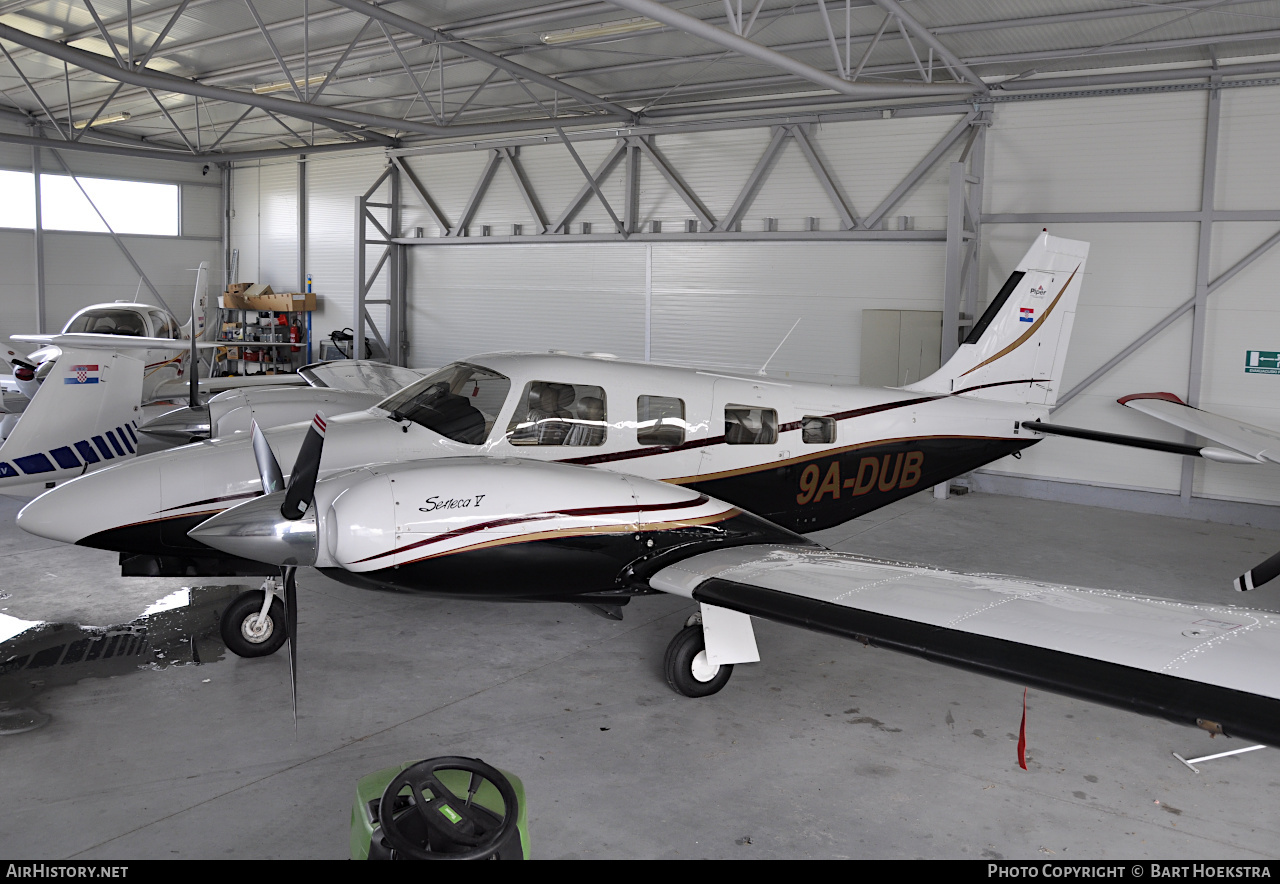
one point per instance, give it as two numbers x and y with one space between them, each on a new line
825 749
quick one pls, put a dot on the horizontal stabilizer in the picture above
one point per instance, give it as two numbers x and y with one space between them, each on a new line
1256 444
1184 663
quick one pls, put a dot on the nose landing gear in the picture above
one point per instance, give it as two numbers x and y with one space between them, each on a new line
254 624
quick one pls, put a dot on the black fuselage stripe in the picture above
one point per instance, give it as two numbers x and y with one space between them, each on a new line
1180 700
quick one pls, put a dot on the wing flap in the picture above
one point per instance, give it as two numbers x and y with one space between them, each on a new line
1177 661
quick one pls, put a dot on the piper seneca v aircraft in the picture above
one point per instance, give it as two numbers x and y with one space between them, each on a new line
555 478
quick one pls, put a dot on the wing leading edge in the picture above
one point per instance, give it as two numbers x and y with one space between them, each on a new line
1212 666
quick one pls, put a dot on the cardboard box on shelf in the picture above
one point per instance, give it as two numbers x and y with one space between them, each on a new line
277 302
238 288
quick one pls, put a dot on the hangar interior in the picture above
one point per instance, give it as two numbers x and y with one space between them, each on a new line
722 185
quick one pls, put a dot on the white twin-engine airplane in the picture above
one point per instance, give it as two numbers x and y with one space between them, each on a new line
545 477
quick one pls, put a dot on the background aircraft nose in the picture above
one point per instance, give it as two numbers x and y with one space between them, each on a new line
91 504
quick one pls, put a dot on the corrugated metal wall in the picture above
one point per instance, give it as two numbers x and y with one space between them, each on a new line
88 268
729 304
1146 153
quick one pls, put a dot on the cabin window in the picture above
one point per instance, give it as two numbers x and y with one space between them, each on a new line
745 425
164 325
460 402
817 430
660 420
552 413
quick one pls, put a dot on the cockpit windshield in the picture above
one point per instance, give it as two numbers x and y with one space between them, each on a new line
108 322
460 401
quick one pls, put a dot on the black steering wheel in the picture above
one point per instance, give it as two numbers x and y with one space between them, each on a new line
434 823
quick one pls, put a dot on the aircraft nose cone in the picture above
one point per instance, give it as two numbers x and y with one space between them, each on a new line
180 425
256 530
54 516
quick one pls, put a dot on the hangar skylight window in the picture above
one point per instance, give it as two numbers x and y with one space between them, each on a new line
137 207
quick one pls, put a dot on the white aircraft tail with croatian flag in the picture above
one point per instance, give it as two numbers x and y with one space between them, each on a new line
89 403
1017 350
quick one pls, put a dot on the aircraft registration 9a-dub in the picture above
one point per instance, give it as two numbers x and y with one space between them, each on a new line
557 478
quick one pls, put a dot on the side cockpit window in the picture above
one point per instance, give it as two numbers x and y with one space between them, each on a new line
552 413
460 402
660 420
817 430
745 425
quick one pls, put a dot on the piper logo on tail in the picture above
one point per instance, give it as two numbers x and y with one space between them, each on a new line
82 374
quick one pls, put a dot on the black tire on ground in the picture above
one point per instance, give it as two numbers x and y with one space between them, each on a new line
237 621
678 665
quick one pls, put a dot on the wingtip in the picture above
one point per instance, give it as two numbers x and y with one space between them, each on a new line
1167 397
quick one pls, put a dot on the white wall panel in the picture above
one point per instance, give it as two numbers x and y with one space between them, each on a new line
1120 153
244 221
475 299
17 285
201 211
1246 150
333 183
729 305
277 227
88 268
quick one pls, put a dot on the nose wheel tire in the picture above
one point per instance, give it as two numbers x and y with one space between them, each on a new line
245 633
686 666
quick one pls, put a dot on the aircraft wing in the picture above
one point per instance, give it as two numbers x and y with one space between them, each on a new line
178 388
1257 443
1193 664
360 376
89 341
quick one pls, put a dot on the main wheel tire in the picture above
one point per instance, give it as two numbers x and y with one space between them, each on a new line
241 632
686 666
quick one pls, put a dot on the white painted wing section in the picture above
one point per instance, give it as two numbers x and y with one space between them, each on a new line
178 389
1256 442
1224 646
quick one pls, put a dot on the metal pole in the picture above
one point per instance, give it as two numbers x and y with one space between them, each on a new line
39 237
357 294
955 259
1200 311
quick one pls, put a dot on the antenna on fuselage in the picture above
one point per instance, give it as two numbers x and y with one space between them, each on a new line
138 293
777 348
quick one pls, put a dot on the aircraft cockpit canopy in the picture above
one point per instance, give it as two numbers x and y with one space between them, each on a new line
460 402
109 321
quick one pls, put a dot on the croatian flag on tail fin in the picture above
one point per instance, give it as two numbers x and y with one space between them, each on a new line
1026 314
82 374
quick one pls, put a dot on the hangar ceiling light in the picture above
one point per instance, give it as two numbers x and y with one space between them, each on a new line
604 29
264 88
103 120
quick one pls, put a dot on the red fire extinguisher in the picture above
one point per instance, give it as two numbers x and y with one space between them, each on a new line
295 336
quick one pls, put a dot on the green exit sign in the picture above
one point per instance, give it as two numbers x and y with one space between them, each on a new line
1262 361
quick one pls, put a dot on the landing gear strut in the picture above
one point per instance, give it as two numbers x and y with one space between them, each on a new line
254 625
687 668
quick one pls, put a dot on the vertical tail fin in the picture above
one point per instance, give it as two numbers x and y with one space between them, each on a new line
84 414
1017 350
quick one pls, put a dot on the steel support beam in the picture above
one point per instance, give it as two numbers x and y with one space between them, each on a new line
922 168
512 156
894 8
461 47
706 31
477 194
1199 316
579 200
41 321
841 203
754 181
427 200
678 184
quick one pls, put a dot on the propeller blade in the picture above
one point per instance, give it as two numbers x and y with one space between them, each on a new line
268 466
1258 575
302 481
291 624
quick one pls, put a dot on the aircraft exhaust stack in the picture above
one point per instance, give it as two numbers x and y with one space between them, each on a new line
256 530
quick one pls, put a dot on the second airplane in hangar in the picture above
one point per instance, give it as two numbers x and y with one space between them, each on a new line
556 478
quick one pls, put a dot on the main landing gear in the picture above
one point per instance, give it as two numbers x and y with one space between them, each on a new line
253 625
695 669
